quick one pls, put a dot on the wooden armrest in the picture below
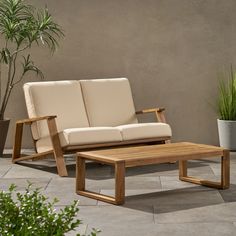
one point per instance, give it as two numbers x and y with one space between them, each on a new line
150 110
158 111
31 120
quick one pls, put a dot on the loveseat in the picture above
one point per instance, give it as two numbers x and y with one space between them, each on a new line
67 116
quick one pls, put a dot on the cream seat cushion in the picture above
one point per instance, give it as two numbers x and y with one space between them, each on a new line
144 130
82 136
61 98
108 102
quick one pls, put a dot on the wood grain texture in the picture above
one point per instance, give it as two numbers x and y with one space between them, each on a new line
182 168
159 112
58 153
80 174
37 156
150 110
207 183
98 196
34 119
152 154
120 182
17 141
225 169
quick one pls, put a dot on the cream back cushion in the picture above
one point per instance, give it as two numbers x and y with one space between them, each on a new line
108 102
61 98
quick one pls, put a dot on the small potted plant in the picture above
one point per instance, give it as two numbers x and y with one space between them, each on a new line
21 27
227 112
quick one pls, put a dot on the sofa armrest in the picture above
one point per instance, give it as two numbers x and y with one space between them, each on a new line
158 111
151 110
53 132
31 120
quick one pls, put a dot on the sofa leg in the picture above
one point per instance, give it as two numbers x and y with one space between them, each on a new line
17 142
60 162
58 153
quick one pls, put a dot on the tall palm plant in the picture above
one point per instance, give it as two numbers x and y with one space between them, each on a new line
21 26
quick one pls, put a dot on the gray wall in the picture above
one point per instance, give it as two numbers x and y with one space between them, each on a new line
171 51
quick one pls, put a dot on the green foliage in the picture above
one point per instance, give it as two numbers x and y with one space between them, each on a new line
31 214
227 98
21 26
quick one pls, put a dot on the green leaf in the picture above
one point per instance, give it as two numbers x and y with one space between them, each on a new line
5 55
21 26
227 97
32 214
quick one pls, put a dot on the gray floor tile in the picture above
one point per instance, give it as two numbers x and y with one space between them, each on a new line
66 184
229 195
4 169
131 195
186 229
153 170
136 228
111 216
66 198
196 229
131 182
22 183
20 171
194 195
171 214
99 171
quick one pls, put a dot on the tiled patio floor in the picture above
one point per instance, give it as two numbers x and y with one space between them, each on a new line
157 203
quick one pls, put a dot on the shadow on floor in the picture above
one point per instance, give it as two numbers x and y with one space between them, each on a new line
5 156
95 171
180 199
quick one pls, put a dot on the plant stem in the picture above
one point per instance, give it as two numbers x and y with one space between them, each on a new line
4 102
0 85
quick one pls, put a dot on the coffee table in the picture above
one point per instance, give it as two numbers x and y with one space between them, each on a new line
124 157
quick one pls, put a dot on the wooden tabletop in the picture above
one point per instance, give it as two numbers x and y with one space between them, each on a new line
151 154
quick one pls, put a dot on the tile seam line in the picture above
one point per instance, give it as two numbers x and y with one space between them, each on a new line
50 180
197 222
6 172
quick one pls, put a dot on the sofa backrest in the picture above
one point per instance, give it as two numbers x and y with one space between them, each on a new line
61 98
108 102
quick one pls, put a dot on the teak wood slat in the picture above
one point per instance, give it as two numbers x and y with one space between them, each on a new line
57 151
121 158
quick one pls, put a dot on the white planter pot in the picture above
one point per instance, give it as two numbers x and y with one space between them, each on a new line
227 134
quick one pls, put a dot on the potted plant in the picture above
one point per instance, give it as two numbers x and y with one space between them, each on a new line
227 112
30 213
21 26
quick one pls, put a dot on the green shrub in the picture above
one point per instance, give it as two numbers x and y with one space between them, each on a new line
31 214
227 97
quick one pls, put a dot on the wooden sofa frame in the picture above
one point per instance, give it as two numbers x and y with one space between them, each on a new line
58 151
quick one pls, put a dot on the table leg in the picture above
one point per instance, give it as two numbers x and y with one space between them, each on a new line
225 172
80 174
225 169
120 182
182 169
